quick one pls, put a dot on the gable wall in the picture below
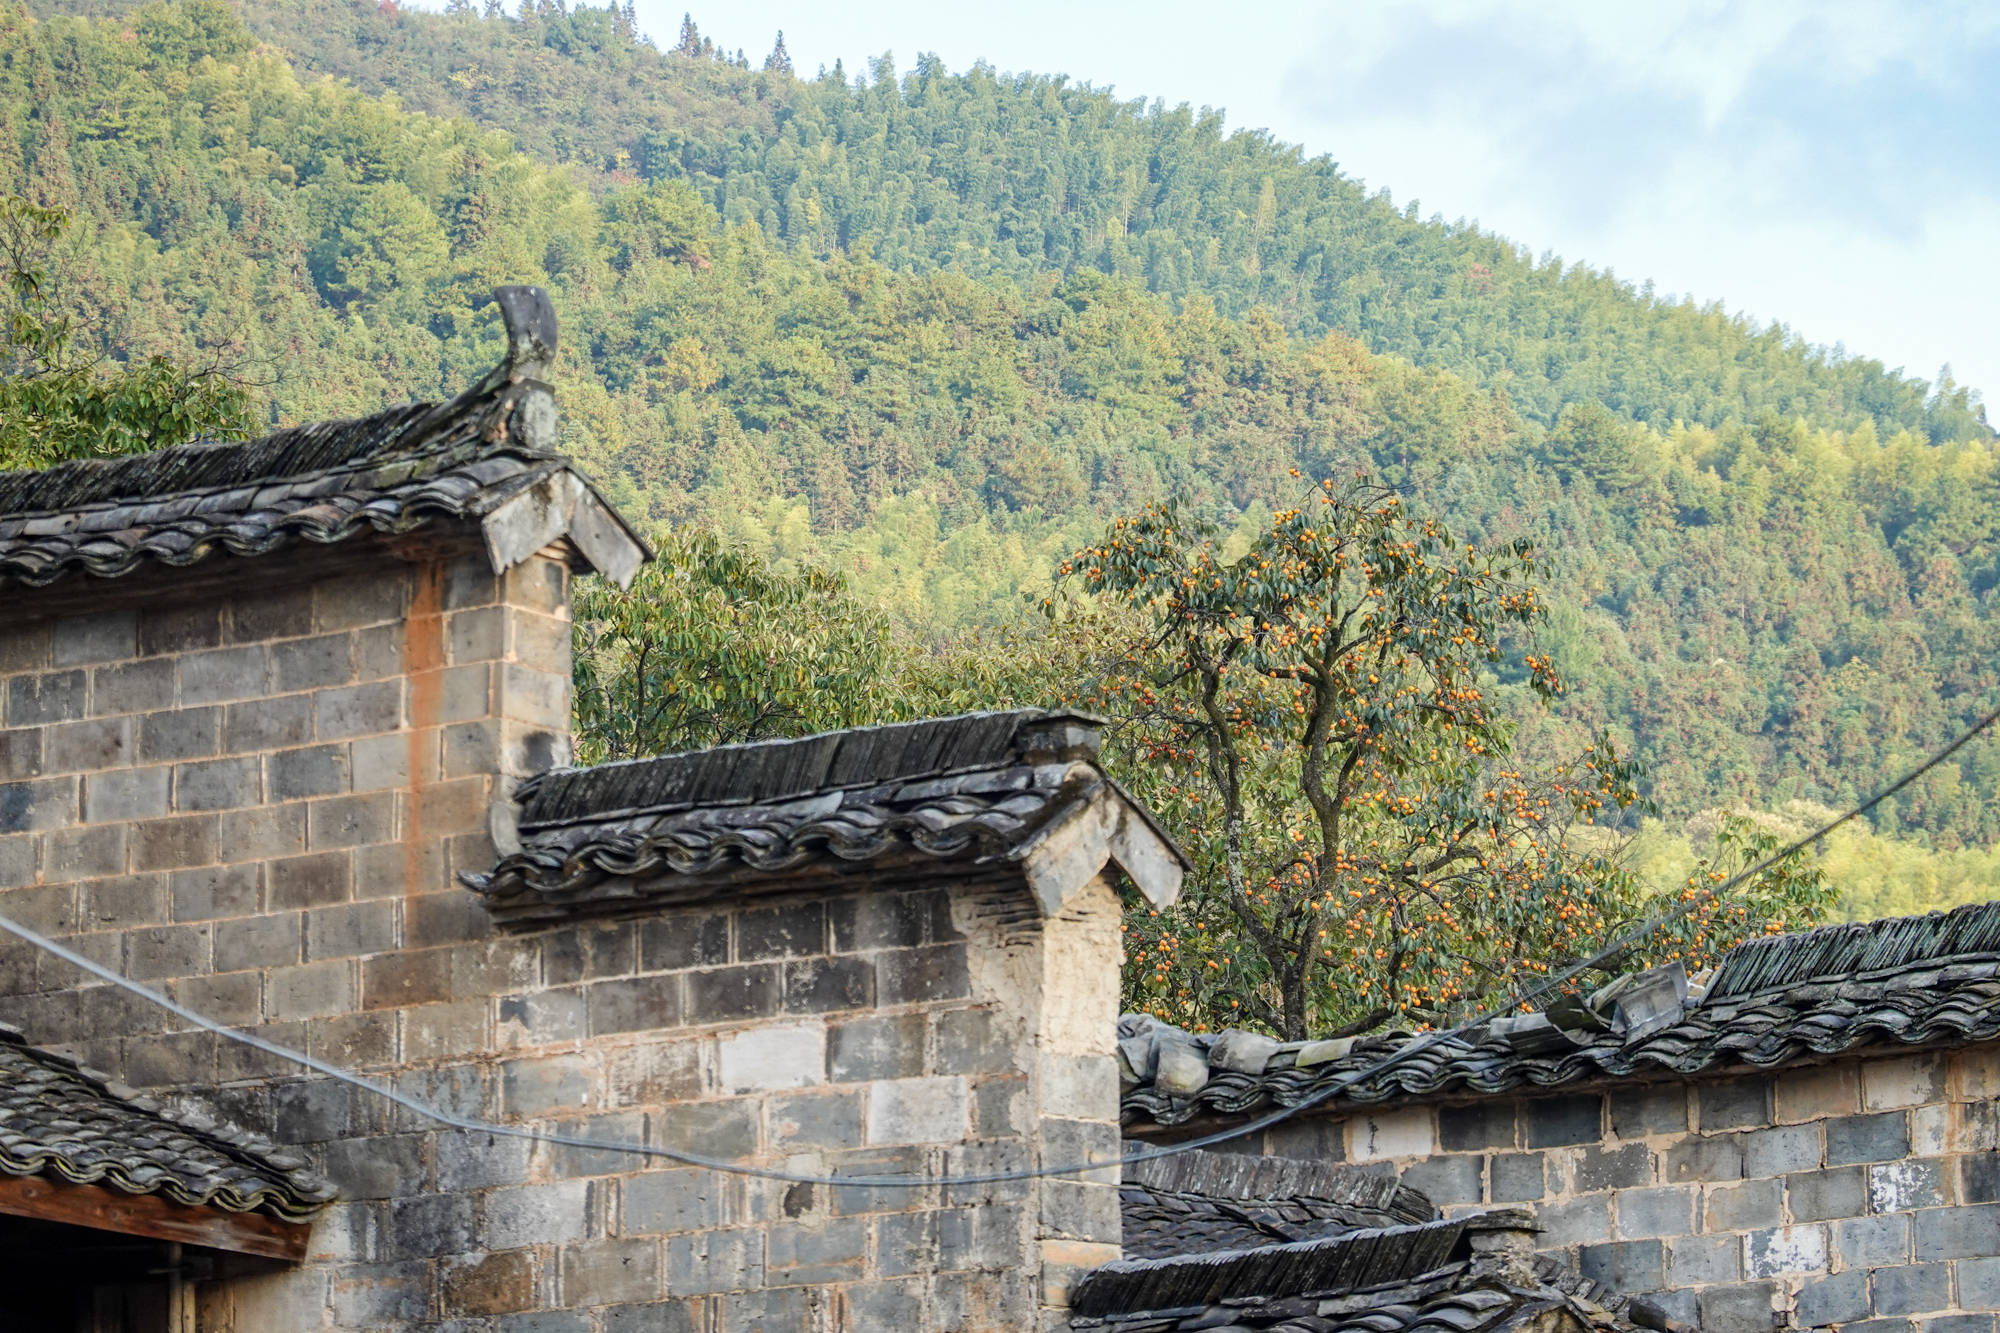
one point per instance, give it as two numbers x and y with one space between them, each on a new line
1854 1193
251 786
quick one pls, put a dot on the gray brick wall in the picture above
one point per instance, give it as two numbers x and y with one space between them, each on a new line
256 797
1861 1192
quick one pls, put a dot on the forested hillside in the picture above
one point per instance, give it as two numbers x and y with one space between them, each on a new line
932 331
998 174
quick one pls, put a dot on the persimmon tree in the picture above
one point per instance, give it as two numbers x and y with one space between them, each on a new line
1316 718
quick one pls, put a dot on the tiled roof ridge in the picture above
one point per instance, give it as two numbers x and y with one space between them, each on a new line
1857 948
771 837
488 454
987 790
1917 980
200 468
855 758
1351 1261
1257 1178
293 1193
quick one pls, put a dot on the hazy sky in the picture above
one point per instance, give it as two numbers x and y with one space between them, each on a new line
1833 165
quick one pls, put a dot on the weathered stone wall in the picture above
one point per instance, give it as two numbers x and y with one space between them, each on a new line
1858 1193
257 801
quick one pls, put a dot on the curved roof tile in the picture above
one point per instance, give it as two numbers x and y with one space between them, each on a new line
1921 980
58 1119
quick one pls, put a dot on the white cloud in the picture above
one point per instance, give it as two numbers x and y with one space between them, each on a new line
1833 166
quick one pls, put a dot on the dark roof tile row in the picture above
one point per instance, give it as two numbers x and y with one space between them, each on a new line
60 1120
1932 979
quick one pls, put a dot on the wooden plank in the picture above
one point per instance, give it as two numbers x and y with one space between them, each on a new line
152 1216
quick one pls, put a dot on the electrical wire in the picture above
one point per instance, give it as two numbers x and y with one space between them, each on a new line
1321 1094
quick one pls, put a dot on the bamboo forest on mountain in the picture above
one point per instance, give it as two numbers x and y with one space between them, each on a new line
945 390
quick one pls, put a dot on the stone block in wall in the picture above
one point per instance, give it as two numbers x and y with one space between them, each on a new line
1905 1081
822 1250
1446 1179
1882 1137
1625 1266
917 1110
1476 1126
380 1295
726 1260
1554 1122
1517 1177
1979 1178
42 700
1974 1075
1702 1160
1385 1135
1696 1261
679 942
1750 1205
1658 1109
630 1004
896 1304
728 994
1817 1093
101 637
1960 1323
823 1118
551 1212
1964 1232
106 742
1816 1196
1666 1210
1736 1103
671 1201
1782 1250
1910 1289
1571 1222
1978 1282
1738 1307
602 1271
1895 1187
1320 1140
1781 1151
1930 1130
1626 1166
472 1285
1865 1242
875 1046
1839 1299
766 1059
20 754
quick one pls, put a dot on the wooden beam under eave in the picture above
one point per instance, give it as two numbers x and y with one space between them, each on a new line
154 1217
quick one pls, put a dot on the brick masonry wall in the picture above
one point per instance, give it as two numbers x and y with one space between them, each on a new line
1864 1193
257 801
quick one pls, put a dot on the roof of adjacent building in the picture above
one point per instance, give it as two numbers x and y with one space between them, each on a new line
487 455
1931 979
1216 1241
62 1121
984 789
1228 1201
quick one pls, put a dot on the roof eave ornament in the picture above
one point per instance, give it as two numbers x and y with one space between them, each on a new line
530 319
564 504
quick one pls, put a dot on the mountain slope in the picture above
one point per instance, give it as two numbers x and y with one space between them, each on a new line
1768 609
1018 176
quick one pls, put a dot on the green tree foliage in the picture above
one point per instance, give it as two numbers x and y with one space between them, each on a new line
1018 175
780 60
1314 718
711 646
56 404
1774 574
